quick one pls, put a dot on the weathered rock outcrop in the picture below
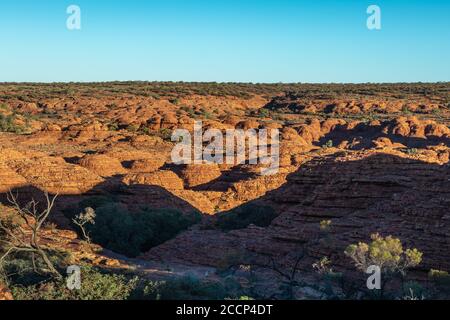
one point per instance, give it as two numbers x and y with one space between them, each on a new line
147 165
102 165
198 174
163 178
360 192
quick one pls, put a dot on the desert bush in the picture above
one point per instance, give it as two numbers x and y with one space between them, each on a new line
322 266
439 276
204 113
116 230
413 291
7 124
328 144
406 111
386 253
190 111
245 215
175 101
441 280
133 128
145 131
30 217
96 285
411 151
165 134
113 126
21 270
263 113
325 225
165 224
131 233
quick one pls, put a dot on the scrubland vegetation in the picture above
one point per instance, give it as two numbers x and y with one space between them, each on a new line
29 92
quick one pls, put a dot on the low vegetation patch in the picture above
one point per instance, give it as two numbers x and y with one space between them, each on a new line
96 285
131 233
8 124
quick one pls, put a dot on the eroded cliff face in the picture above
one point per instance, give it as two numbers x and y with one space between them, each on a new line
368 165
361 193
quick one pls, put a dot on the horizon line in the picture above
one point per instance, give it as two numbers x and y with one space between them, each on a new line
219 82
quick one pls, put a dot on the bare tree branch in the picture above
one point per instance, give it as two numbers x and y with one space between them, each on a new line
28 242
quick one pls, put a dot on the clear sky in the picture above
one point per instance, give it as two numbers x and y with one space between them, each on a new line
225 40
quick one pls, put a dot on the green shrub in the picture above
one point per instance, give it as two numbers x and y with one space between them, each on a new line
133 128
145 130
406 111
175 101
264 113
164 224
113 126
440 278
7 124
129 233
325 225
19 269
95 285
116 230
245 215
165 134
413 291
384 252
411 151
188 110
437 112
328 144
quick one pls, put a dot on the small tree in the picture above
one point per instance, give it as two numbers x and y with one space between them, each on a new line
25 235
81 219
385 252
323 266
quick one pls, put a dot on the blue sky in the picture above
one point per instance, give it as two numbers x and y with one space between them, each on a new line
225 40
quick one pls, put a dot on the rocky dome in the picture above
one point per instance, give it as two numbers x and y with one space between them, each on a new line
102 165
198 174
